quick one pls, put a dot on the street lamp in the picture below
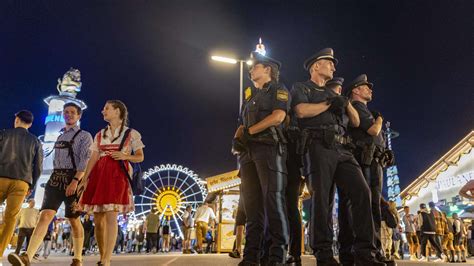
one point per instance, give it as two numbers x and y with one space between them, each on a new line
234 61
260 48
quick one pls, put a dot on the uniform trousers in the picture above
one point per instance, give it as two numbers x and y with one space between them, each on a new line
263 175
293 191
373 175
335 165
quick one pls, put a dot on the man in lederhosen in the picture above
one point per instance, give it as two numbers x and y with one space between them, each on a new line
71 154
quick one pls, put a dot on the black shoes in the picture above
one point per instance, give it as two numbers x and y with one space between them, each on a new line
235 254
329 262
294 260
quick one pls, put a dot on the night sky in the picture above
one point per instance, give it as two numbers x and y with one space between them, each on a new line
155 56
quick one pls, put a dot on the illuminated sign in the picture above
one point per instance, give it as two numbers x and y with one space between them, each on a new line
54 118
223 181
445 183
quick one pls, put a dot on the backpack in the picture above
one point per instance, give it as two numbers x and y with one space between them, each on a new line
136 180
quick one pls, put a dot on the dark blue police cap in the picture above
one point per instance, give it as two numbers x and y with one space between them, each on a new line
326 53
259 58
335 81
359 81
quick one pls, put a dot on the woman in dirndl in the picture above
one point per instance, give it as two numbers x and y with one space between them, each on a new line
108 192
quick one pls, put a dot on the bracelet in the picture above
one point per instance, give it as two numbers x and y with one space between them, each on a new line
75 178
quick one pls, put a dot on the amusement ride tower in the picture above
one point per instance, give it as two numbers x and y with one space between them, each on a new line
393 181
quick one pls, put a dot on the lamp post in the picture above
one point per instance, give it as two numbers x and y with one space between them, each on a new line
235 61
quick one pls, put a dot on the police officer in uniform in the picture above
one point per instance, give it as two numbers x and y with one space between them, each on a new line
294 189
323 118
370 146
261 146
345 236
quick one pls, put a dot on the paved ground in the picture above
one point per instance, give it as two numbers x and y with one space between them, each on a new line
179 259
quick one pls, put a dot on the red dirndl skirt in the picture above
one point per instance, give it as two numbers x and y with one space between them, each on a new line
107 188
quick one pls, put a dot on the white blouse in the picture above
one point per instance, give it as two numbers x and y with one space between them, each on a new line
135 141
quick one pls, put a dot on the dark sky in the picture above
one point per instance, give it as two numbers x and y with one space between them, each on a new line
154 55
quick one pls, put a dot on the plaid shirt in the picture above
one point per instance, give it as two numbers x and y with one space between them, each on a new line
439 221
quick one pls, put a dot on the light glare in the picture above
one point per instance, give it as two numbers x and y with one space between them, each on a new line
224 59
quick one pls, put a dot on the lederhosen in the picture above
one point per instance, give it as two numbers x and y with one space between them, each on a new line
55 189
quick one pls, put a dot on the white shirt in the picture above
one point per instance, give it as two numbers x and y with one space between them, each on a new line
188 219
134 142
203 214
28 218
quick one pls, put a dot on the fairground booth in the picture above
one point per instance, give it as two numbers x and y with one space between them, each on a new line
226 188
441 182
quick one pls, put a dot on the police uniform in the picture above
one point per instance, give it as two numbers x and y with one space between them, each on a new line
345 236
369 152
294 189
263 172
327 162
71 155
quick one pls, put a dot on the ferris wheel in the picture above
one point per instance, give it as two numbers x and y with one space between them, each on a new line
170 188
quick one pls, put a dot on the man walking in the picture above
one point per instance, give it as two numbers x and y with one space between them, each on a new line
21 161
426 221
71 154
152 224
188 223
28 219
203 214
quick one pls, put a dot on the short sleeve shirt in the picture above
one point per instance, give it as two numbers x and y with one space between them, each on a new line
260 103
152 223
366 121
104 139
80 148
310 92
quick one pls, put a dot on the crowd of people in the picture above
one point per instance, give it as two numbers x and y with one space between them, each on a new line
90 175
321 133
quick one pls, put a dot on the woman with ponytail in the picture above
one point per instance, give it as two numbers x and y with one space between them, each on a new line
108 191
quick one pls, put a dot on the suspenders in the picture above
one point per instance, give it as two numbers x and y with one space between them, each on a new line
61 144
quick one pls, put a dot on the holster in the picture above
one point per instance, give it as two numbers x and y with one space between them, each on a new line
329 138
280 138
367 154
303 142
272 136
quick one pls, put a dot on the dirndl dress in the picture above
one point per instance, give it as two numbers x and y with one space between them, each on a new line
107 188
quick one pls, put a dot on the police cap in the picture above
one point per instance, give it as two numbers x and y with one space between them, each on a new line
359 81
326 53
259 58
335 81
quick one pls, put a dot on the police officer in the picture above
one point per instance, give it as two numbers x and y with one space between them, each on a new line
370 146
294 188
262 154
345 236
323 119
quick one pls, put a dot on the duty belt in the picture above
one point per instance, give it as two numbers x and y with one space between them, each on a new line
338 138
344 140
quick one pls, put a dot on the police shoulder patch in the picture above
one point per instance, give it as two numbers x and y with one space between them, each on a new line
248 93
282 95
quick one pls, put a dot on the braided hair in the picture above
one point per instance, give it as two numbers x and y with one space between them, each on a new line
123 115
